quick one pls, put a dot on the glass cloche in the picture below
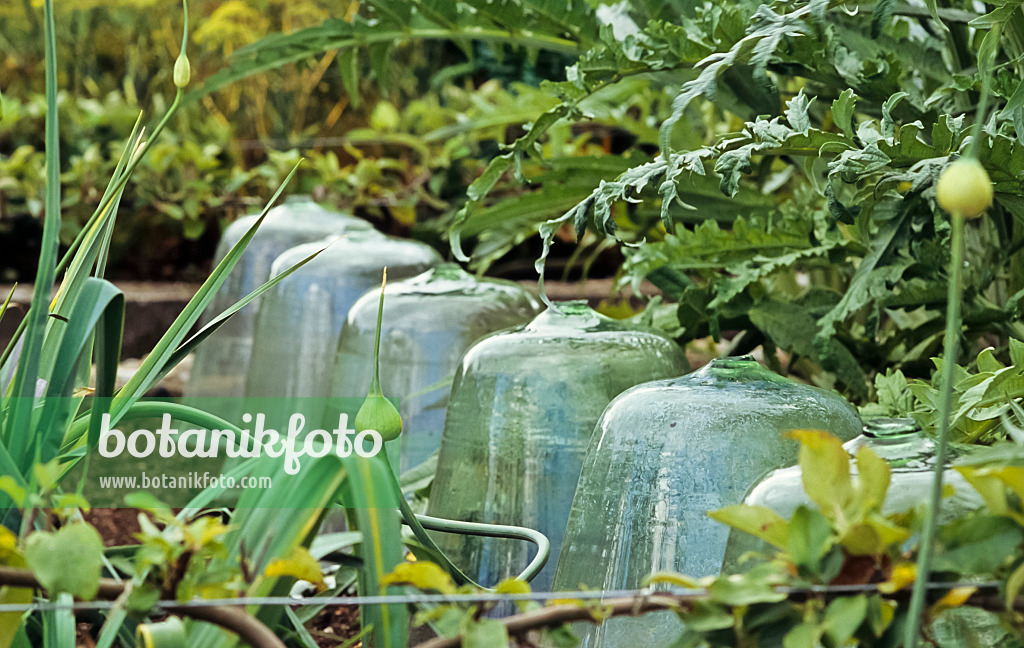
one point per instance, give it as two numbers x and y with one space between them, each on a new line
521 413
300 320
664 454
221 360
429 322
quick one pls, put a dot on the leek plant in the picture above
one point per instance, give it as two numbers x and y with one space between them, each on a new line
49 415
50 422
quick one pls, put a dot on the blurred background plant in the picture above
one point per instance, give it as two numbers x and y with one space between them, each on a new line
396 148
777 160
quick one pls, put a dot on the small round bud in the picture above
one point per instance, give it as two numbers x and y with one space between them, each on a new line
964 187
377 413
182 71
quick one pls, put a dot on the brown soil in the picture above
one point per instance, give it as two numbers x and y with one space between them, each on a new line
116 526
334 625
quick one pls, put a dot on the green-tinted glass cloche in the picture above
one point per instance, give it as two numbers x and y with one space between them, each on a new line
522 409
664 454
300 320
429 322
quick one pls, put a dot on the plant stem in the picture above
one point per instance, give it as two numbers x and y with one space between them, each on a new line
247 627
375 389
950 354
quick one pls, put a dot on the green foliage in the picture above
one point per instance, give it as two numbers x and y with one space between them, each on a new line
780 198
468 620
986 399
845 539
841 538
67 560
47 418
175 558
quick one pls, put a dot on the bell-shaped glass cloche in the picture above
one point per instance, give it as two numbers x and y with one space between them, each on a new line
429 322
911 458
664 454
222 360
298 325
522 409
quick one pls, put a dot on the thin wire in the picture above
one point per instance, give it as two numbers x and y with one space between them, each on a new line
461 598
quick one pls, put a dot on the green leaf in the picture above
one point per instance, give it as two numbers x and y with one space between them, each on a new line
706 616
374 500
266 524
7 301
519 25
484 633
97 315
146 502
758 585
825 470
793 329
348 65
843 110
987 362
10 622
873 278
759 521
70 501
18 419
988 49
68 560
59 624
166 350
810 538
873 476
976 545
1015 101
805 635
991 489
115 622
946 132
143 598
933 11
298 564
560 637
888 123
672 578
1017 353
861 539
13 489
1014 583
797 113
999 15
301 634
767 31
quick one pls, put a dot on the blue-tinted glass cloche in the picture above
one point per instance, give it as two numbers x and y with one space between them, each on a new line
521 412
222 360
429 322
298 325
